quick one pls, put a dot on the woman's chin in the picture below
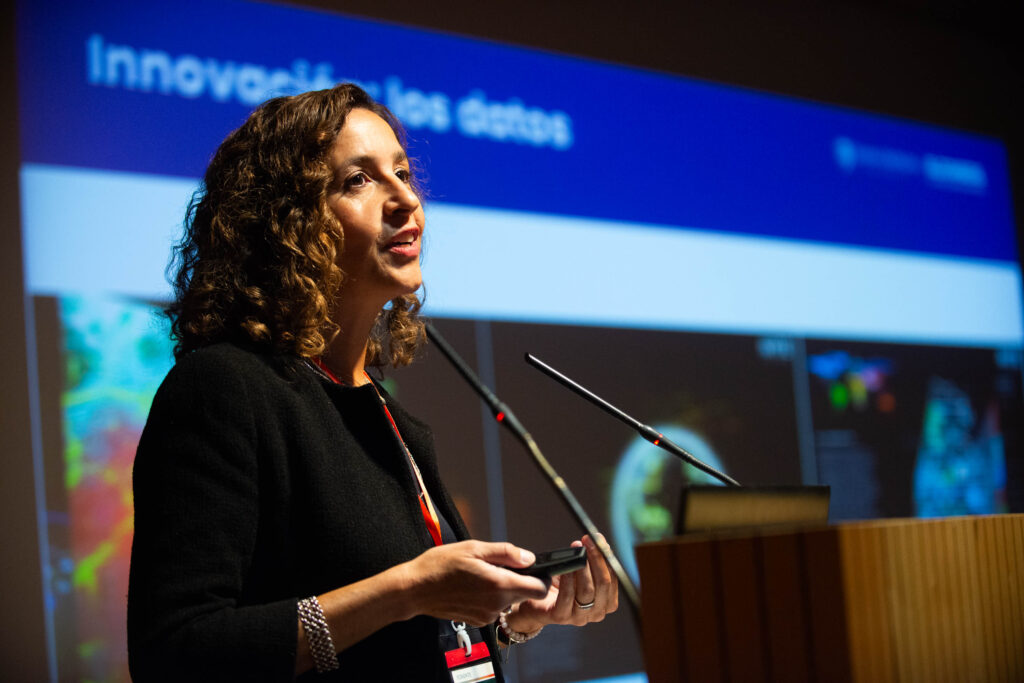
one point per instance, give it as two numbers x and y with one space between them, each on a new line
409 284
383 289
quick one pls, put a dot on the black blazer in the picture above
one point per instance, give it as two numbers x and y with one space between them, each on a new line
257 484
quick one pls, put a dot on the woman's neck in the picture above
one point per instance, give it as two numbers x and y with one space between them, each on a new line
346 355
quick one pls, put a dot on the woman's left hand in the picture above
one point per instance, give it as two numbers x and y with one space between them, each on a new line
578 598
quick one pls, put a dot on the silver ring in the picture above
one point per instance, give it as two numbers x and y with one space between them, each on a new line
583 605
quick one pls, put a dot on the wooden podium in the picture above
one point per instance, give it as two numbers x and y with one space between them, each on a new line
891 600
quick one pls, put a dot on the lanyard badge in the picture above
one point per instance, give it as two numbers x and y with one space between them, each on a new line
466 655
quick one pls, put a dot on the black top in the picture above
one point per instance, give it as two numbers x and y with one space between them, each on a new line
257 484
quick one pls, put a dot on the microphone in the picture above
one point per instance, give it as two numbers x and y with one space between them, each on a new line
645 431
504 416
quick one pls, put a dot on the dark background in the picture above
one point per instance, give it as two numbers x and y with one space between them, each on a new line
950 62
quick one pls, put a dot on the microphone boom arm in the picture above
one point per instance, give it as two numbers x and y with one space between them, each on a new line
504 416
645 431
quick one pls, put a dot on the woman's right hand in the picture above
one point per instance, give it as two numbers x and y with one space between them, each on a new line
468 581
465 581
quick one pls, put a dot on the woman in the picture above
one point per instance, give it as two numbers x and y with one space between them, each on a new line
287 508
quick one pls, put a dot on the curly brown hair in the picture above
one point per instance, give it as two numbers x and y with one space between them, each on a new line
258 260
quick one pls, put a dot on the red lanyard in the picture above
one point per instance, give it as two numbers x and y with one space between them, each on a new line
426 504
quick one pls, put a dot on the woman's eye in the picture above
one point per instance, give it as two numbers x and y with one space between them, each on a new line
357 180
404 175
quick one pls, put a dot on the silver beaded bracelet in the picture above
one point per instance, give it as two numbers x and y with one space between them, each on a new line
311 614
514 637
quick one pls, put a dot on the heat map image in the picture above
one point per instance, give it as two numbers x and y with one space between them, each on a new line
114 354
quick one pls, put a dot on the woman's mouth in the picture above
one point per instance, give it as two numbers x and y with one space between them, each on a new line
405 243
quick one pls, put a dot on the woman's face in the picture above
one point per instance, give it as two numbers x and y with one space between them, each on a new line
380 215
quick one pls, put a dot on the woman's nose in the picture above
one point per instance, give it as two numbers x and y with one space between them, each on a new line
403 198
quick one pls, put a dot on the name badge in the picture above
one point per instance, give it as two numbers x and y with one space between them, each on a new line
466 655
